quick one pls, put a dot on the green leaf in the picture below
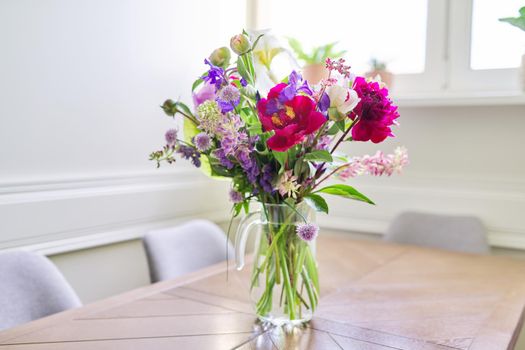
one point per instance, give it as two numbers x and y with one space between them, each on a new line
281 157
243 70
184 108
256 41
346 192
196 83
334 129
317 202
189 130
319 156
516 21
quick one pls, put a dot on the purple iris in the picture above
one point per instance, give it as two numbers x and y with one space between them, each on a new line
296 84
215 75
324 103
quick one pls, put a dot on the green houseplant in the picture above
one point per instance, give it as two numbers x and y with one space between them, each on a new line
518 22
314 69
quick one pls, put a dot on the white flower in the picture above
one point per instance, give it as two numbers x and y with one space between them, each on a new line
342 101
287 185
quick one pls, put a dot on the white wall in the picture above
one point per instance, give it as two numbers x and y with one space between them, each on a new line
464 160
81 84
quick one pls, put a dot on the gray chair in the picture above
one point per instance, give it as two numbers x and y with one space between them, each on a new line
179 250
457 233
31 287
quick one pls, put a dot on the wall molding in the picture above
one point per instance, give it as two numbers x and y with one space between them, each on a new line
61 214
107 235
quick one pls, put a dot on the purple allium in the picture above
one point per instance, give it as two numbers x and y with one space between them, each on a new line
229 93
228 97
235 196
307 232
191 153
171 137
202 141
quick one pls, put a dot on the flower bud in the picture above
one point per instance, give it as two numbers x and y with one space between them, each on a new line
240 44
169 107
221 57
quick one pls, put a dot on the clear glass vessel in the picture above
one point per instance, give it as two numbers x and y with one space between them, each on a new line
284 282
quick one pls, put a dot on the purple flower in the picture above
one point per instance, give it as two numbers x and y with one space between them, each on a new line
223 158
202 141
215 75
296 84
171 137
307 232
324 103
266 179
323 143
206 92
235 196
191 153
229 97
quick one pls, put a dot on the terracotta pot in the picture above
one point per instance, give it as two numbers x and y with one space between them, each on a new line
313 73
386 76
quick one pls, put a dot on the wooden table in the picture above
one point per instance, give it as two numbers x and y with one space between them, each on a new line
374 296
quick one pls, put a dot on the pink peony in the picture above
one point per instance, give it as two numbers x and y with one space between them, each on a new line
375 112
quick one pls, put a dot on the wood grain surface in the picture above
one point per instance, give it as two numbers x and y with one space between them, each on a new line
374 296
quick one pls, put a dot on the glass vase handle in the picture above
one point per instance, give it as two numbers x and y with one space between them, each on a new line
241 238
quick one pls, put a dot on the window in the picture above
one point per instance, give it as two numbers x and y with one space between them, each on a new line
488 50
433 46
396 34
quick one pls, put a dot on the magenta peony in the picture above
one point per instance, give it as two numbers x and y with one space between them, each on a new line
375 112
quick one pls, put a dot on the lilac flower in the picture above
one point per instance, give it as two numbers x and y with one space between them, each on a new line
223 158
235 196
171 137
191 153
266 179
376 165
215 75
307 232
202 141
252 173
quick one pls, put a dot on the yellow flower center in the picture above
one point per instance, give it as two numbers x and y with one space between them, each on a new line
276 120
289 112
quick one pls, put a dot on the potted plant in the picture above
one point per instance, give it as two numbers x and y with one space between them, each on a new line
314 68
378 68
520 23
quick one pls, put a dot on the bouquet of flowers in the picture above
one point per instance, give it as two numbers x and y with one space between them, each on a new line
279 149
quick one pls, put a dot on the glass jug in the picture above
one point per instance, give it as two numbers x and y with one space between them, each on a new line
284 283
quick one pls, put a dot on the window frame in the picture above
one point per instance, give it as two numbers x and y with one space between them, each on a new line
447 53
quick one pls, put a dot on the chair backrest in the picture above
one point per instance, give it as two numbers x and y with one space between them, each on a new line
31 287
179 250
457 233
